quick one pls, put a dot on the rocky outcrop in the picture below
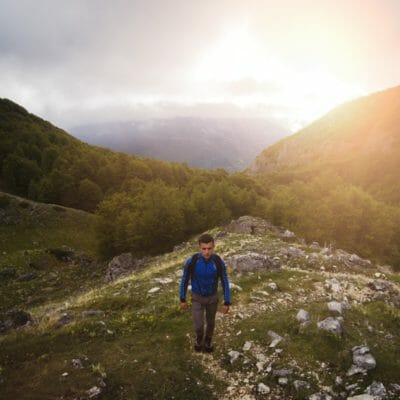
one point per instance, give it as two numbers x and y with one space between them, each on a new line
252 262
122 265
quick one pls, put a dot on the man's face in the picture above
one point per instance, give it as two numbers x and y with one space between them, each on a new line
206 249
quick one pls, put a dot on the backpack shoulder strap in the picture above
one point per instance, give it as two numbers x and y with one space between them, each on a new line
218 263
192 264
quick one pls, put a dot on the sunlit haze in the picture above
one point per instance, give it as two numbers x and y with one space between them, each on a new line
290 61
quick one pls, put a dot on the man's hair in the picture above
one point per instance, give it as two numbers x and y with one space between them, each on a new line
206 238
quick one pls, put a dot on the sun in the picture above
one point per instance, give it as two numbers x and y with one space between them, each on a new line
308 86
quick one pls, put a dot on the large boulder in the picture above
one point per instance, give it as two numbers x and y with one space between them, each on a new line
252 262
122 265
331 324
15 318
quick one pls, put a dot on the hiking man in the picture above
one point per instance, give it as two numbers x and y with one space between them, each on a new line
204 269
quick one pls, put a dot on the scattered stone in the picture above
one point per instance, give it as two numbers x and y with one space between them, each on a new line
335 306
63 253
282 372
338 380
122 265
275 338
283 381
377 390
14 319
333 284
250 262
288 234
27 276
63 320
91 313
263 389
355 259
301 385
272 285
331 324
93 392
153 290
163 281
181 246
247 346
303 316
314 246
361 397
234 355
235 287
293 252
320 396
77 363
380 285
363 358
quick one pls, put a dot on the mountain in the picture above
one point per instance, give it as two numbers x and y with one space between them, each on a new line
359 140
306 321
201 142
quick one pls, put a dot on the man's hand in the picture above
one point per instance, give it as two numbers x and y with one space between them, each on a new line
184 305
225 309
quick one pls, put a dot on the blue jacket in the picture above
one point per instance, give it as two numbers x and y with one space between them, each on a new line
205 279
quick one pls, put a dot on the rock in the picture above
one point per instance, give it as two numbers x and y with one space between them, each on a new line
361 397
314 246
163 281
6 273
234 355
272 285
235 287
247 346
63 253
288 234
377 390
260 366
282 372
331 324
122 265
301 385
380 285
333 284
263 389
153 290
338 380
335 306
91 313
355 259
14 319
363 358
250 262
320 396
181 246
303 315
77 363
283 381
93 392
27 276
293 252
63 320
275 338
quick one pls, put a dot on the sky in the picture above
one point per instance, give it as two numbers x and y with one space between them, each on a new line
90 61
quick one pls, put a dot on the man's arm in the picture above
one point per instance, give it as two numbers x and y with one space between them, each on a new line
225 285
184 281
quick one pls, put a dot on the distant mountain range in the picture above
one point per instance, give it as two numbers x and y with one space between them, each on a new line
231 144
359 140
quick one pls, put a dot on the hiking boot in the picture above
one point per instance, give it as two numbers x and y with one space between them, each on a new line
208 347
198 346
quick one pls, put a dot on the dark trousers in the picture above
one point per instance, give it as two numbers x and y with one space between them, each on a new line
200 304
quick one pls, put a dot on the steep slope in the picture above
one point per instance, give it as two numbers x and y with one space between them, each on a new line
360 140
200 142
128 338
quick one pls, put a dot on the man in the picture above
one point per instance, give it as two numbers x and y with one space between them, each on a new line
204 269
